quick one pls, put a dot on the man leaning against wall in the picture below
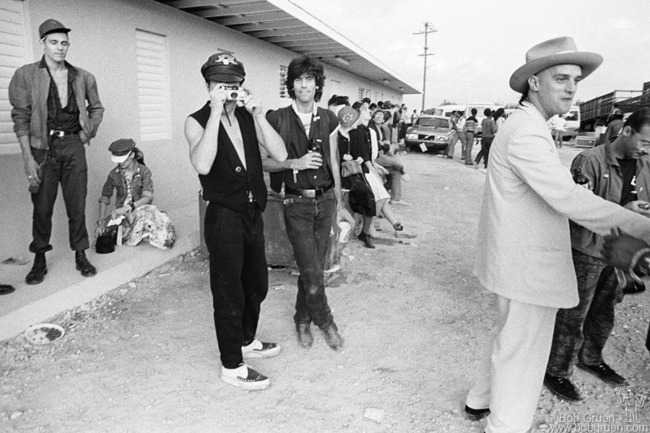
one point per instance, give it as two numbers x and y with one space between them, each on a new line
56 110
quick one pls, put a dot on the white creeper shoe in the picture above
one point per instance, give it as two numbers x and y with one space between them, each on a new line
257 349
245 378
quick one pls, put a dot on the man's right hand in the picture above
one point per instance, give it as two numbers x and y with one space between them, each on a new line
217 98
33 172
639 206
309 161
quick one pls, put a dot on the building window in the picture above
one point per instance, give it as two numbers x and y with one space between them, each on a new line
363 92
284 93
153 86
13 54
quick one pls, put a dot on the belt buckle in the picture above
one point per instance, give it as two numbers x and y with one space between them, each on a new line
56 133
309 193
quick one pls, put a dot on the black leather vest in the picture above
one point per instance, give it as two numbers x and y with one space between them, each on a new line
228 183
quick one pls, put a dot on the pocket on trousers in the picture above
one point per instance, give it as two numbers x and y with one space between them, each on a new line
212 223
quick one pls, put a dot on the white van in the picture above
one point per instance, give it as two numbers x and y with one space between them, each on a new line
446 110
480 108
572 124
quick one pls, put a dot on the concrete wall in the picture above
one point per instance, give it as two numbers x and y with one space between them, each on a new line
103 42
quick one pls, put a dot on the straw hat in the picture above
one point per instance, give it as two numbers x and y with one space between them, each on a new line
558 51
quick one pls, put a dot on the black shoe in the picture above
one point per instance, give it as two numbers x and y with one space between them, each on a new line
365 238
633 289
604 372
333 338
5 289
304 335
83 265
37 274
562 388
476 414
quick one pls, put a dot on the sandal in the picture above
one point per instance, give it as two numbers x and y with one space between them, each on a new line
398 227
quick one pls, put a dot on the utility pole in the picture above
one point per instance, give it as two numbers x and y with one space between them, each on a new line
425 55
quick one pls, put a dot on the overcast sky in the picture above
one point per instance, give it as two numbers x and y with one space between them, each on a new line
479 43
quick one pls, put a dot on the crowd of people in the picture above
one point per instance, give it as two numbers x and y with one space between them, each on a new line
543 249
465 131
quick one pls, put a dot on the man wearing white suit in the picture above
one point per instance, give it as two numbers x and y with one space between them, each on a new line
524 247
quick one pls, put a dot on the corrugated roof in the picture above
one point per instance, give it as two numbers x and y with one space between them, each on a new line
283 23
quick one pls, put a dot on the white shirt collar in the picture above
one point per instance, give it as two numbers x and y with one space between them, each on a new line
295 108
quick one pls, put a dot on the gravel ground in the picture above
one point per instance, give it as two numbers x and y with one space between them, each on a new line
143 358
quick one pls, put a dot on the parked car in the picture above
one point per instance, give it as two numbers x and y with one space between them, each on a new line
434 132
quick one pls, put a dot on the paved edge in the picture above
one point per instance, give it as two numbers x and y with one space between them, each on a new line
15 322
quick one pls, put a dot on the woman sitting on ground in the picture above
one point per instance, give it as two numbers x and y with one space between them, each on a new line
131 180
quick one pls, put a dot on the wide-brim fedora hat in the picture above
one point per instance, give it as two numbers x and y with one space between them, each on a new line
558 51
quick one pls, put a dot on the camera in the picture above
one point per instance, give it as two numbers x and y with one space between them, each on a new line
234 93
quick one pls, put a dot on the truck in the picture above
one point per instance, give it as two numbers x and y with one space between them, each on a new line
596 112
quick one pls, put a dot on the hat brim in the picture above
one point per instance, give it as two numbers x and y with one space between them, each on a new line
589 62
224 78
58 30
118 159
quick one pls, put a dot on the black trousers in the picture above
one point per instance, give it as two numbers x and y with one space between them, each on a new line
64 163
238 276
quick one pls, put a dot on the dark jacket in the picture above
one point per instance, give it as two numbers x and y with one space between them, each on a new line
116 182
28 92
605 179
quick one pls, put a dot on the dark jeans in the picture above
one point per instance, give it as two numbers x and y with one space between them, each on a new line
238 276
486 142
64 163
309 223
582 331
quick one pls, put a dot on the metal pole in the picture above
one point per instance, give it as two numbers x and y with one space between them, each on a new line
424 76
426 54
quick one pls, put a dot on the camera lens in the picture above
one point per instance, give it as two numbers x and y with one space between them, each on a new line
233 95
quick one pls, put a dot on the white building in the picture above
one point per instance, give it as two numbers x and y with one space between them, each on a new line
146 56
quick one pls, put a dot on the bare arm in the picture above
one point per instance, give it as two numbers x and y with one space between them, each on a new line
203 142
308 161
268 137
32 169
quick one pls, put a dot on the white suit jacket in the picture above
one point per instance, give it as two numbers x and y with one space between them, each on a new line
524 245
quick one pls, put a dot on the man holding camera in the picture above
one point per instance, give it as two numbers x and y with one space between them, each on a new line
56 110
224 138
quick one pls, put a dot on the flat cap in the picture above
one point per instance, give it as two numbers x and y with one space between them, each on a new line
120 149
51 26
223 68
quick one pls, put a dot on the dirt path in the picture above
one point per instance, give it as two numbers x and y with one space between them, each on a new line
143 358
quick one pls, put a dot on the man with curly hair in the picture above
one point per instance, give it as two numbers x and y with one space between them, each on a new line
312 191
